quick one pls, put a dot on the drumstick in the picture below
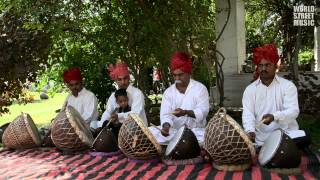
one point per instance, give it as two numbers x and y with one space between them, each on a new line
111 119
162 131
109 122
261 122
169 113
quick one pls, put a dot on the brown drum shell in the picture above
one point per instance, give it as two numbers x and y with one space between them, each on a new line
65 136
286 156
187 147
105 141
2 129
21 133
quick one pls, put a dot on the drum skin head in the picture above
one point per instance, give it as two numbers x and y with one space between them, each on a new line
174 141
32 129
270 147
79 125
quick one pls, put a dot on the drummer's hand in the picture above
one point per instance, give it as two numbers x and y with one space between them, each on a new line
179 112
165 129
114 117
268 118
97 130
252 136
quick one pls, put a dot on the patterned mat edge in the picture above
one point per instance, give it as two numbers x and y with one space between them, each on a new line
314 164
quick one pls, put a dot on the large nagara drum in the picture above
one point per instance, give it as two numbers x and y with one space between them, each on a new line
184 145
136 141
21 133
279 151
227 144
106 141
69 131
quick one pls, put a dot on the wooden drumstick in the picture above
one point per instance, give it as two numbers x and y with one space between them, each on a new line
162 131
261 122
109 122
170 113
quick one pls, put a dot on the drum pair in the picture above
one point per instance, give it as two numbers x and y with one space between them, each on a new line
137 142
230 149
67 132
70 133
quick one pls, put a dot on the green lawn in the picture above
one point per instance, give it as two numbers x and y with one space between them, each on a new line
41 111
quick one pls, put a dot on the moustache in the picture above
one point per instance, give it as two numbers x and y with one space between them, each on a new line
177 81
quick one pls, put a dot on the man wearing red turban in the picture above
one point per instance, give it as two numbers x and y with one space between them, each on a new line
270 100
120 74
83 100
186 102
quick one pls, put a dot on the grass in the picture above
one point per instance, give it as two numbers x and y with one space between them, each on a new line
41 111
311 124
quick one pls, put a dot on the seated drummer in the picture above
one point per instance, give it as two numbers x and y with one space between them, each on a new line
272 99
120 74
83 100
119 114
186 102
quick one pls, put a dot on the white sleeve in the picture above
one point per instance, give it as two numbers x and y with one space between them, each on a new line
248 118
165 110
138 103
290 106
110 107
90 107
65 104
202 106
123 116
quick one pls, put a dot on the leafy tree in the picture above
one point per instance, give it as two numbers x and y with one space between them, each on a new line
23 51
272 21
93 34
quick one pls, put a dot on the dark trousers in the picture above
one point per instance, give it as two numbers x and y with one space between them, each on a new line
302 142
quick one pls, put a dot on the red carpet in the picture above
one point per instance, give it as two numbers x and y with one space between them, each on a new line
51 164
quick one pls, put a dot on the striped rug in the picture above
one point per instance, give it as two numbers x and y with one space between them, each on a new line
51 164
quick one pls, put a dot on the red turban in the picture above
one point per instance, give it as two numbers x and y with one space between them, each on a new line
268 52
72 74
182 61
120 69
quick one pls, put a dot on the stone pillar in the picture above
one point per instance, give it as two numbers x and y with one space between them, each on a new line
232 43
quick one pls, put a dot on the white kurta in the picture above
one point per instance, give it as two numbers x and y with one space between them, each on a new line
85 103
280 98
136 102
195 98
